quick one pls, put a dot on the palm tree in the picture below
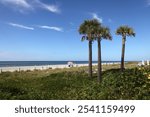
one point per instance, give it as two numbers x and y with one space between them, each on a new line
124 31
87 29
103 33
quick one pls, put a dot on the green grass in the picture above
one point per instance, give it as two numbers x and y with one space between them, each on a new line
74 83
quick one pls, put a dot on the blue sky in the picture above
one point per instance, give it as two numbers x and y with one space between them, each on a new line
48 29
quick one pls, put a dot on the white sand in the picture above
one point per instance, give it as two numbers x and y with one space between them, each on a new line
25 68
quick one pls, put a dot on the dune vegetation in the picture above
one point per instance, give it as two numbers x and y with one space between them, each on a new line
75 83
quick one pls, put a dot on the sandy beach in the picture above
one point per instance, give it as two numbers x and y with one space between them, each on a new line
44 67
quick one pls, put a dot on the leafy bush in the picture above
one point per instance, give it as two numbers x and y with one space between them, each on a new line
131 84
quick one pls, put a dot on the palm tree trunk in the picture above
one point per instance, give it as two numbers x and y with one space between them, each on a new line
90 59
99 61
123 53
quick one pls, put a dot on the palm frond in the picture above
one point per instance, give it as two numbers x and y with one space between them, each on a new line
125 31
104 32
88 28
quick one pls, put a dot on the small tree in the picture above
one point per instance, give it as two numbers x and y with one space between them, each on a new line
124 31
103 33
87 29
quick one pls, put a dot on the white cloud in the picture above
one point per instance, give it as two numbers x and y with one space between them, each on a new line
21 26
52 28
51 8
95 16
23 5
19 3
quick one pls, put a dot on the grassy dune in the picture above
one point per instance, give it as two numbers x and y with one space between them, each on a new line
74 83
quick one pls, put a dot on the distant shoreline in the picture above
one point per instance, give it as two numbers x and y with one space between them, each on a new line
44 67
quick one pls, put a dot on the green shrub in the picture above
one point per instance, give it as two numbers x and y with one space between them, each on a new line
131 84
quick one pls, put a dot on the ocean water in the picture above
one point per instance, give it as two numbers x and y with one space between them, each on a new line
38 63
